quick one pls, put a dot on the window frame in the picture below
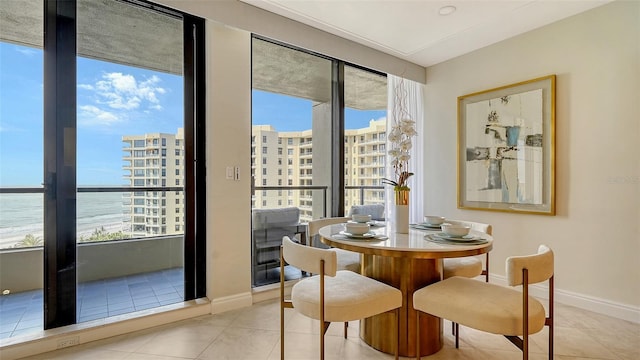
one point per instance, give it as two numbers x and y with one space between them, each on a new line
60 165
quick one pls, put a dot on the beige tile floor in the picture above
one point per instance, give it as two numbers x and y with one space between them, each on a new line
253 333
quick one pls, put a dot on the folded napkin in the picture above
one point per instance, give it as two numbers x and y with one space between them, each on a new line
436 239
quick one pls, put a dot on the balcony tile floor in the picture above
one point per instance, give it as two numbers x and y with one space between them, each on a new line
253 333
21 313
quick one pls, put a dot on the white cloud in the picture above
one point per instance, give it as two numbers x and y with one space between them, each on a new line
92 115
115 95
9 127
27 52
125 92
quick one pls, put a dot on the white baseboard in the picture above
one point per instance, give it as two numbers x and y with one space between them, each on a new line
232 302
585 302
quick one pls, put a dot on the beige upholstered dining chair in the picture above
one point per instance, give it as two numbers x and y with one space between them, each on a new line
375 210
470 266
332 295
347 260
494 308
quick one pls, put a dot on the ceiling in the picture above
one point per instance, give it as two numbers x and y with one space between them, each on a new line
414 30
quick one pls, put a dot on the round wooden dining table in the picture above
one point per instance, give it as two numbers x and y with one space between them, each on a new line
407 262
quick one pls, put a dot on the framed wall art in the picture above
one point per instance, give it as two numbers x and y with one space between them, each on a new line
506 148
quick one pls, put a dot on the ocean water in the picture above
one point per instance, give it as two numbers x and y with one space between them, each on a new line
22 214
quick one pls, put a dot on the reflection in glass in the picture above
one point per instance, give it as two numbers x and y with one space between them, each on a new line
291 136
130 133
21 159
364 141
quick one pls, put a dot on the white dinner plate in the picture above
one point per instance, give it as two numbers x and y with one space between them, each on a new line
456 238
430 226
356 236
371 223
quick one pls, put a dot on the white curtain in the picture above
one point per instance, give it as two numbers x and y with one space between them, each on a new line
413 99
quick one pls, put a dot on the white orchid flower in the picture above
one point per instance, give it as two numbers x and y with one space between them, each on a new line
394 152
406 122
406 145
409 131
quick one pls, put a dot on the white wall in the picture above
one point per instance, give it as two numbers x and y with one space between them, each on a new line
228 144
595 234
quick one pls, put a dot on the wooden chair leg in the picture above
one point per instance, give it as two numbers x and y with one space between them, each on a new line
486 270
281 331
551 318
417 335
323 325
457 334
321 344
281 305
525 314
397 352
346 325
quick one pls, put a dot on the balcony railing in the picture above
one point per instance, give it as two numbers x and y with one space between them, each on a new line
361 191
306 197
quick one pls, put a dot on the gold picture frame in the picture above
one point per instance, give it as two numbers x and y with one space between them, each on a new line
506 148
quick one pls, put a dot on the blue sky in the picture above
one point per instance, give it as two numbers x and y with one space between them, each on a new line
113 100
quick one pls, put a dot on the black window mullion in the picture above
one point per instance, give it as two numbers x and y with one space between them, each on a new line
337 139
200 106
189 90
194 113
60 163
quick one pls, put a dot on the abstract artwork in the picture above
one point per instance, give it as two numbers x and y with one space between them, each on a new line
506 144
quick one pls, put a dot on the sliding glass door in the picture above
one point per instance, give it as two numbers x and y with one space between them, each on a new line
291 135
21 159
130 133
301 103
119 229
365 137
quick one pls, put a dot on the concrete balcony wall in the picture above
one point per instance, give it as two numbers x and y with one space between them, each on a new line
22 269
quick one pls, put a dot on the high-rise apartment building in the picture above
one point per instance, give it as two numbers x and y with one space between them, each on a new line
154 160
365 164
281 160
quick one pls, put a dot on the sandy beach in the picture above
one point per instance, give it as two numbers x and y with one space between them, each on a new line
10 241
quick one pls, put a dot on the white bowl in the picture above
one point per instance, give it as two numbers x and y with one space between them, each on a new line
357 228
455 229
361 218
433 220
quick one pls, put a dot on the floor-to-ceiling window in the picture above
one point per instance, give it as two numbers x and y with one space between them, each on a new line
130 132
299 100
21 158
365 136
291 134
122 124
